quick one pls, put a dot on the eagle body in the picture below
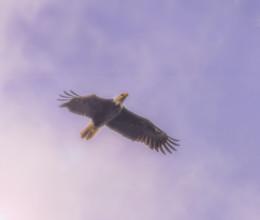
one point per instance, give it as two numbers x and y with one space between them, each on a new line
113 114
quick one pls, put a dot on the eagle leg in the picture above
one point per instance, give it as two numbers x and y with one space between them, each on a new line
89 132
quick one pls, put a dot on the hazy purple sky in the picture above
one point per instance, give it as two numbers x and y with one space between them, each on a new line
191 67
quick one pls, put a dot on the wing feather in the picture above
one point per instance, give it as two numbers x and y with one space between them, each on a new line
68 94
82 105
141 129
152 143
165 146
161 149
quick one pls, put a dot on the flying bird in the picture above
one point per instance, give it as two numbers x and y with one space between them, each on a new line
113 114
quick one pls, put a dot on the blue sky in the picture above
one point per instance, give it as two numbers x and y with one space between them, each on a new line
191 68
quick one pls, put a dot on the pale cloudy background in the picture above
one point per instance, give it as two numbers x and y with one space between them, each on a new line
192 67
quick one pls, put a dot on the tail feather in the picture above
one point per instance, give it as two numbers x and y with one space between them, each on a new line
89 132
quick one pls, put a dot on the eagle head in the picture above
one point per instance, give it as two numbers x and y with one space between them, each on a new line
119 100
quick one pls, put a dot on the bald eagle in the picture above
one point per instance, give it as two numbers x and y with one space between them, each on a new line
113 114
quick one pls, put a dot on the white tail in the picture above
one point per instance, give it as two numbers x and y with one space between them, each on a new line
89 132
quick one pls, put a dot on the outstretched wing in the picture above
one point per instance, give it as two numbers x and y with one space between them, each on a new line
82 105
141 129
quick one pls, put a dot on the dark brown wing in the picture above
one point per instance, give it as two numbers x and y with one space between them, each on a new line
140 129
83 105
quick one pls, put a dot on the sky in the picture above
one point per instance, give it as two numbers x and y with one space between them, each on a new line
191 67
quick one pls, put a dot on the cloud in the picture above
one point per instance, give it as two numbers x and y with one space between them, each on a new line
11 56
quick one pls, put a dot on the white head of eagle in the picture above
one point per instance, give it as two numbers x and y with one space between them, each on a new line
119 100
